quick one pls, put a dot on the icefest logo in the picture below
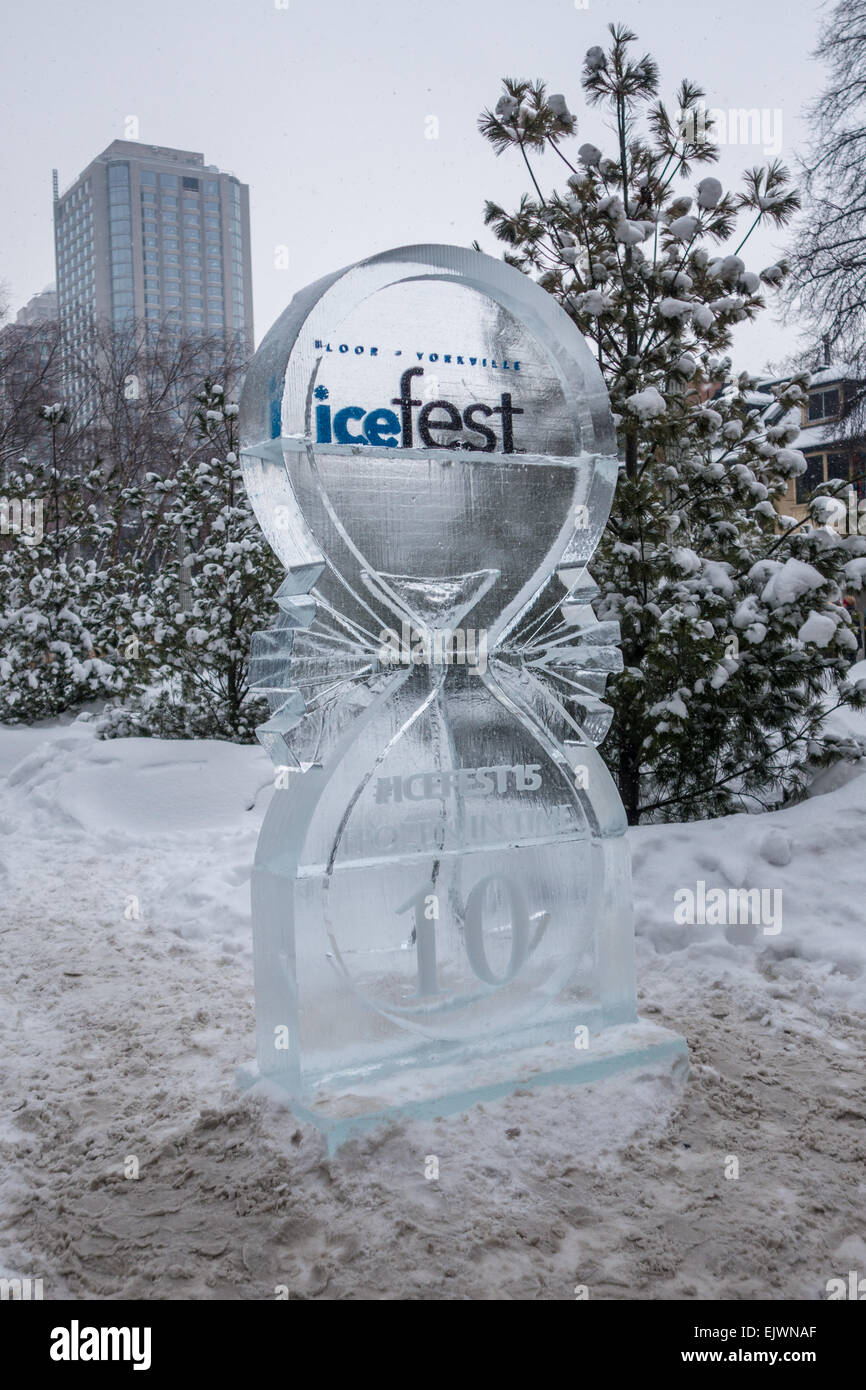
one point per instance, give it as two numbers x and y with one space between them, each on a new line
442 883
382 427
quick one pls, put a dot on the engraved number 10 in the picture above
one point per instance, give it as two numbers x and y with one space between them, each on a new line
473 935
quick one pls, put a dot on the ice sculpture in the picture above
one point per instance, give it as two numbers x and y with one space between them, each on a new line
441 897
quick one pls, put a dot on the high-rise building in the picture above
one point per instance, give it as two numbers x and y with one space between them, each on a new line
40 308
154 235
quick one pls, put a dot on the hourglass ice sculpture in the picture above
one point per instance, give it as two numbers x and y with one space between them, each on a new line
441 896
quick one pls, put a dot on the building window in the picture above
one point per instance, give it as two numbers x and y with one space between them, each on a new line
812 478
824 405
168 181
837 466
190 182
147 176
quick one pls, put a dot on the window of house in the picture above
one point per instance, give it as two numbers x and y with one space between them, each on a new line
837 466
812 478
824 405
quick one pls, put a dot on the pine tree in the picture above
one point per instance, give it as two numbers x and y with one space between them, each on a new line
733 625
57 647
213 589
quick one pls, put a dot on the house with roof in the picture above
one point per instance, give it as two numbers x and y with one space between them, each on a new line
834 451
833 445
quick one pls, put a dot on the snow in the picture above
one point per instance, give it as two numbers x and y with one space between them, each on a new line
593 302
818 628
123 1032
709 193
559 106
792 460
684 228
671 308
790 582
647 404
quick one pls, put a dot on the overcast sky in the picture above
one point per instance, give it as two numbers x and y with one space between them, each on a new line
323 109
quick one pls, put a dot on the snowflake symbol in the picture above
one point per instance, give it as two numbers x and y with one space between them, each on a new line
321 393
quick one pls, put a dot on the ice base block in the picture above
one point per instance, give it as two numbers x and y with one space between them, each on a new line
456 1084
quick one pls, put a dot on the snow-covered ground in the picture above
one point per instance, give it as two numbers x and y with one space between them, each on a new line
126 1004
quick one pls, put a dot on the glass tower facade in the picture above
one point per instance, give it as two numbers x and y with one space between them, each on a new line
152 234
